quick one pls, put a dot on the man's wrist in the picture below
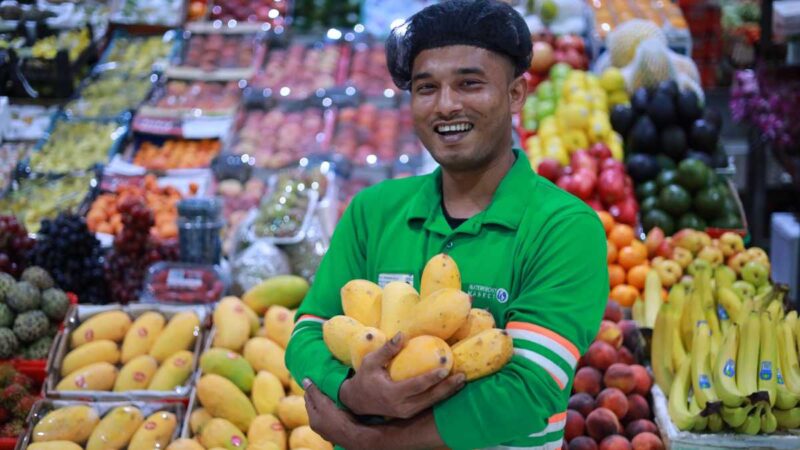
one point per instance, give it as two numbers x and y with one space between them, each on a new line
346 396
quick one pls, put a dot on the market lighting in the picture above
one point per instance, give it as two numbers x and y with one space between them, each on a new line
273 13
388 93
350 91
399 26
372 159
285 91
232 23
334 34
404 159
358 28
327 102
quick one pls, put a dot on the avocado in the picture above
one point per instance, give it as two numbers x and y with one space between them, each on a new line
666 177
670 88
642 167
648 204
705 157
714 117
622 119
691 220
665 162
693 174
689 108
673 142
661 110
674 199
708 203
704 136
729 221
640 100
658 218
646 189
643 137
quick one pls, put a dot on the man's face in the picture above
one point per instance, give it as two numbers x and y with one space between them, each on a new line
462 99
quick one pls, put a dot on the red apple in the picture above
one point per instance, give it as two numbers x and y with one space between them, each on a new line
600 151
611 163
655 237
575 59
543 57
565 182
611 186
571 41
625 211
582 159
583 183
550 169
595 204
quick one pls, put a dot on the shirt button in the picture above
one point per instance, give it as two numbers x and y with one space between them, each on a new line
450 244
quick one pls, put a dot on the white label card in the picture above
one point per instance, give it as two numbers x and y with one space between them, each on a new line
386 278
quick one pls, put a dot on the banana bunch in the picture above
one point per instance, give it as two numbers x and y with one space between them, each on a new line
727 360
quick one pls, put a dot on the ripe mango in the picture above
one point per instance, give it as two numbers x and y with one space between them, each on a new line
363 342
263 354
292 411
440 314
295 388
266 429
221 398
55 445
136 375
155 433
111 325
116 429
142 335
305 437
253 318
482 354
399 301
283 290
94 377
337 332
185 444
478 320
440 272
361 300
71 423
230 365
265 446
179 334
267 392
232 324
421 354
279 324
93 352
224 434
198 419
173 372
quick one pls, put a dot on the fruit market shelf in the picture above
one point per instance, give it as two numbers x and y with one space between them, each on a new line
675 439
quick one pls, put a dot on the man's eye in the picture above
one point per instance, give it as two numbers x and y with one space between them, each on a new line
425 88
471 83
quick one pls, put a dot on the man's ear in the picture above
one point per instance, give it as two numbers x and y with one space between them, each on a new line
517 93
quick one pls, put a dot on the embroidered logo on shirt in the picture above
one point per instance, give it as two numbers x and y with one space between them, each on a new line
386 278
488 293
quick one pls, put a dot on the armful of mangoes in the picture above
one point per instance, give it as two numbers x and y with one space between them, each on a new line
442 330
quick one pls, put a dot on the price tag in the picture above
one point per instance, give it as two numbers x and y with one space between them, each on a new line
184 279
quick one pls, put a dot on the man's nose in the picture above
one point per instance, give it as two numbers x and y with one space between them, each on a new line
449 102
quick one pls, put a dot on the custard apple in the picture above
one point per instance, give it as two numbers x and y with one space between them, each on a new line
55 304
23 296
6 315
8 343
31 325
39 349
6 283
38 277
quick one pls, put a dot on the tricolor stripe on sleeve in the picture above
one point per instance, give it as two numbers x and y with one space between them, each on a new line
304 320
545 348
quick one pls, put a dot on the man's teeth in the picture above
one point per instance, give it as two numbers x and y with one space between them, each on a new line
455 128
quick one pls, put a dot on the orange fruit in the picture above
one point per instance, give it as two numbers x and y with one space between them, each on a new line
611 252
629 257
636 276
621 235
616 275
624 294
640 248
607 219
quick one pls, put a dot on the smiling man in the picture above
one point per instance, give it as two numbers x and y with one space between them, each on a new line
528 252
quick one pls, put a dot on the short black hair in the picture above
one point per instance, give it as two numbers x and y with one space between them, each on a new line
489 24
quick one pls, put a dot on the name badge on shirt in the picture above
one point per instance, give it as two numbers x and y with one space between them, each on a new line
386 278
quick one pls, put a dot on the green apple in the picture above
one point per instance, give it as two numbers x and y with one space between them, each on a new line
546 91
764 289
545 108
687 281
711 254
744 289
755 273
724 276
758 254
559 71
697 266
682 256
669 272
731 243
738 261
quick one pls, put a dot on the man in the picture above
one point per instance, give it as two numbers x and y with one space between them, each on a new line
528 252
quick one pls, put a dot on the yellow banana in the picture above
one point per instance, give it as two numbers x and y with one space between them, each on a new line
677 298
787 419
747 355
751 425
769 423
678 403
724 276
715 423
702 385
730 302
716 332
687 321
725 370
767 382
775 309
700 421
735 417
678 352
788 354
637 313
786 399
791 319
652 297
661 348
706 292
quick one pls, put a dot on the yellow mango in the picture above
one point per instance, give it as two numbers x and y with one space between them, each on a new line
441 314
264 354
71 423
253 318
185 444
54 445
305 437
221 398
283 290
337 333
142 335
179 334
279 324
292 411
440 272
263 446
198 419
267 392
155 433
93 352
364 342
173 372
361 300
222 433
232 324
266 429
94 377
116 429
262 332
111 325
421 355
296 389
482 354
136 375
230 365
478 320
399 301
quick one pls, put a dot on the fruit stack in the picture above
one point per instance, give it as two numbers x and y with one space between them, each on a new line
627 261
41 198
367 134
298 71
609 404
18 393
76 145
31 311
177 154
14 245
548 50
156 353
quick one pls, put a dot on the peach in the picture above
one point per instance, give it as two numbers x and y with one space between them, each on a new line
588 380
615 400
601 355
602 422
611 333
625 356
620 376
647 441
582 443
631 336
575 425
638 408
581 402
640 426
613 312
615 442
643 379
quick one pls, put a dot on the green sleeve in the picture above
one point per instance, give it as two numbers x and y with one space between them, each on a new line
553 320
307 356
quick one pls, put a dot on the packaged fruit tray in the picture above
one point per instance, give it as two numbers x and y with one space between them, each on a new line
183 283
109 94
139 55
149 428
96 368
28 122
272 12
284 216
175 100
162 155
167 13
10 155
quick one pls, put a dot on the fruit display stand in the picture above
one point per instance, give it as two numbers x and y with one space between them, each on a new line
140 54
109 94
153 13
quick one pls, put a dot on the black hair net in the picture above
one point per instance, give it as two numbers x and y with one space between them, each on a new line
489 24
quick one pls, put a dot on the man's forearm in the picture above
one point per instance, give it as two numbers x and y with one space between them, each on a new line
419 433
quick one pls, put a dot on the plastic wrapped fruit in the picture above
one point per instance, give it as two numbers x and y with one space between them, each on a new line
278 137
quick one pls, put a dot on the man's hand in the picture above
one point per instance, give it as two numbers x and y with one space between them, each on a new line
372 392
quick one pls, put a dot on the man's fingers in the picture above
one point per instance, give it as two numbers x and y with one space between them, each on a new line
420 383
380 357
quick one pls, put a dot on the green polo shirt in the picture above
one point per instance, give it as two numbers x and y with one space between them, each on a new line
535 258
